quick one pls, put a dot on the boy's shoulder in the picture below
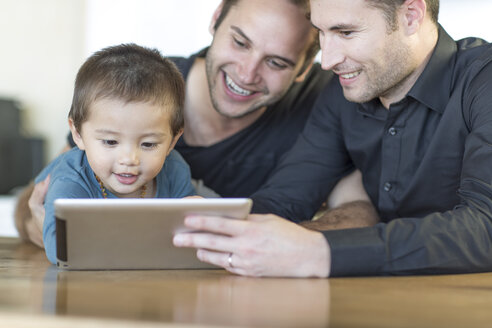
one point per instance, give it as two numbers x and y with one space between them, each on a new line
174 161
67 164
174 180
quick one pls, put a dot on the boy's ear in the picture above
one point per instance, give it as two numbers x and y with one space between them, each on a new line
215 16
77 138
174 141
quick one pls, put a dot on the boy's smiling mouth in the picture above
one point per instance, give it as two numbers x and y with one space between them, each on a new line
126 178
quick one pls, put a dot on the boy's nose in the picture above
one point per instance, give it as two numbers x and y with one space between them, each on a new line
129 157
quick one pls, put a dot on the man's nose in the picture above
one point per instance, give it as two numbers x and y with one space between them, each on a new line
331 54
248 70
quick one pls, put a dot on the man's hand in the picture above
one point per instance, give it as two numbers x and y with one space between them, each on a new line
262 245
29 212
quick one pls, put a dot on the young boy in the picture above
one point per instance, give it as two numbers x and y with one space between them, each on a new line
126 117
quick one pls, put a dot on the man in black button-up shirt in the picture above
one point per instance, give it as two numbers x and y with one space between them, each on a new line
412 109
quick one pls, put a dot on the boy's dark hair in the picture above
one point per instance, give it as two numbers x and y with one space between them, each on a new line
302 4
130 73
389 8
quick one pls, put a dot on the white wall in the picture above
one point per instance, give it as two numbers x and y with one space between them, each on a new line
41 48
43 42
467 18
175 27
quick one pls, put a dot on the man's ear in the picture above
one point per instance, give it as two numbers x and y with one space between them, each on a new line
174 141
303 74
215 16
413 13
77 138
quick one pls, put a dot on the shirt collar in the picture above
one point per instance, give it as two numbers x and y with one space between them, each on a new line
433 86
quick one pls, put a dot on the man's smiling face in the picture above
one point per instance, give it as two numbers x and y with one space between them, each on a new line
257 52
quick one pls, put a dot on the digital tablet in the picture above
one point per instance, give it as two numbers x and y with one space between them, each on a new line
105 234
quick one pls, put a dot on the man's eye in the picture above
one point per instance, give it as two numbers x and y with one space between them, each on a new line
346 33
239 43
276 64
109 142
149 145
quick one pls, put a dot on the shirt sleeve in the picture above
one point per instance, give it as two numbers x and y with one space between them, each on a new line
309 171
58 188
456 241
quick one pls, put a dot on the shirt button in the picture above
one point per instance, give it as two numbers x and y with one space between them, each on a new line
392 131
387 186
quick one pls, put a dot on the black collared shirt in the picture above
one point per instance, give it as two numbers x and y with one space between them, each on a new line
426 165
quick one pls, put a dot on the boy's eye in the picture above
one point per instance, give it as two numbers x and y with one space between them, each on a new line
149 145
110 142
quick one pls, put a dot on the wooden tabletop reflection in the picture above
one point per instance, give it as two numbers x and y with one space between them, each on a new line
35 294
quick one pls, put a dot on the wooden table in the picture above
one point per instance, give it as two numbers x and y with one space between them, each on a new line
35 294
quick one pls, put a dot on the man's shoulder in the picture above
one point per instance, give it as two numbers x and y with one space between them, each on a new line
472 54
473 63
184 63
473 44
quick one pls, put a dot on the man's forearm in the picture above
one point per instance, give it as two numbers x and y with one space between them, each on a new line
355 214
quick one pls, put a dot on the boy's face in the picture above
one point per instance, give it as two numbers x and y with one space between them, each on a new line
126 143
257 52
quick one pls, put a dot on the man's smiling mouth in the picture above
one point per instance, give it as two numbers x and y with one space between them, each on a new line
233 87
350 75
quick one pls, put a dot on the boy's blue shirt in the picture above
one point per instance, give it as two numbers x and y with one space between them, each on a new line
72 177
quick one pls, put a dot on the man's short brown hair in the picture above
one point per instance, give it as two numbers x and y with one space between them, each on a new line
129 73
389 8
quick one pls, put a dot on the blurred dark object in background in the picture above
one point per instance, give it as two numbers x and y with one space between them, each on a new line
21 158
